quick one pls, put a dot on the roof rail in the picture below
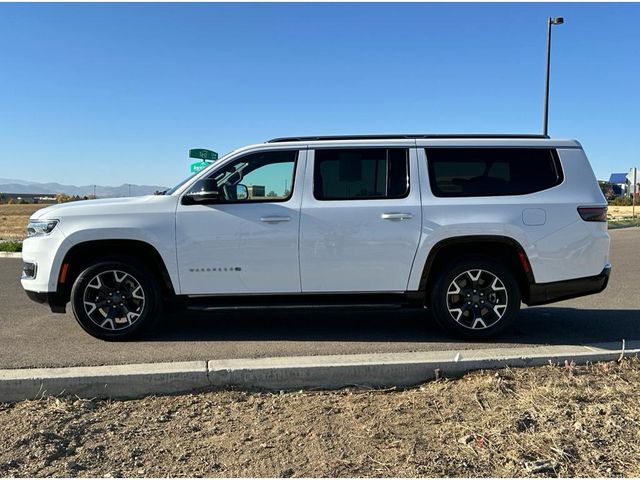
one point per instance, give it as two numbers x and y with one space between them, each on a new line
406 136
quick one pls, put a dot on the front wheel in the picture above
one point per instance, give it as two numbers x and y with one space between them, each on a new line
115 299
476 298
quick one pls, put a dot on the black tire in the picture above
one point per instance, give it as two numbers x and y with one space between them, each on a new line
133 309
473 308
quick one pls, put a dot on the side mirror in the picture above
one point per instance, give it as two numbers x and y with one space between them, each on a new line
242 192
193 198
203 192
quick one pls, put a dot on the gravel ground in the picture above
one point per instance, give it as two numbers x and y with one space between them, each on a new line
548 421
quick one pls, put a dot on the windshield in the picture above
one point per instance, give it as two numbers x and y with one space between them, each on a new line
171 191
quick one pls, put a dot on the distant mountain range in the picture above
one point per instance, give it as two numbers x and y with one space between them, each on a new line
9 185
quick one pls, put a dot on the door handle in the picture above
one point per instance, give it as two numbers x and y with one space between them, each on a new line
274 219
396 216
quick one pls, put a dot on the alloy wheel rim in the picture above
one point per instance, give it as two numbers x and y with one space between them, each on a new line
477 299
114 300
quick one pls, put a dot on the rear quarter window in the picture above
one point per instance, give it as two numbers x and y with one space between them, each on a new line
471 172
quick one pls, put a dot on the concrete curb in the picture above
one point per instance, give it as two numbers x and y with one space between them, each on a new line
10 255
113 381
619 227
397 369
320 372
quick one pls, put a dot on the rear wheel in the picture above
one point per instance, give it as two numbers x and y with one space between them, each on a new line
115 299
476 298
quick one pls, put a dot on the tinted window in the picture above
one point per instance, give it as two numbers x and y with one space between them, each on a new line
466 172
257 177
361 173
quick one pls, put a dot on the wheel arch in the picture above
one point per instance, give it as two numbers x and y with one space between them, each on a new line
505 249
79 256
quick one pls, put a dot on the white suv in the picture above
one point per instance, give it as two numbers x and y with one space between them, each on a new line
465 226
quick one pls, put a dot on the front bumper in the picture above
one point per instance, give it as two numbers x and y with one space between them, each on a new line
47 252
543 293
55 300
42 258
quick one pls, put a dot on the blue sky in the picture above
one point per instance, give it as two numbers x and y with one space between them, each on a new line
117 93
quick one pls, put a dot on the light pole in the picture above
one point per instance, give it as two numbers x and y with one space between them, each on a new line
550 21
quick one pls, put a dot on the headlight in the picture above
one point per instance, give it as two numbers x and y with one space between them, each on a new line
38 228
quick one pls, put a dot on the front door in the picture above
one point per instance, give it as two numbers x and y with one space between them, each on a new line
360 220
247 240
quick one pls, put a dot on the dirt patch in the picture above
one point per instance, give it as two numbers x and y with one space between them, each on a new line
14 219
622 212
549 421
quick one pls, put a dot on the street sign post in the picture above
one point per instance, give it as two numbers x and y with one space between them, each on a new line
197 166
633 179
203 154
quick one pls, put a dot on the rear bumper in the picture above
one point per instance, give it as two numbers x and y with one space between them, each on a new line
55 300
542 293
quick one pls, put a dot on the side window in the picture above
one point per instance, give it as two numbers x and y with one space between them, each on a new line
361 173
258 177
468 172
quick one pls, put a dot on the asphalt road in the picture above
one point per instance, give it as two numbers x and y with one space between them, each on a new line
31 336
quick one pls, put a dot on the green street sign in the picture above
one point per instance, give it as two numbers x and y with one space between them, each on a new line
203 154
196 167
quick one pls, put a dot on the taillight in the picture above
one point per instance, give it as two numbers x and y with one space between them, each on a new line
593 214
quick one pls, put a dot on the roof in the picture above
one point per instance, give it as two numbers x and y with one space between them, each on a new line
403 136
618 178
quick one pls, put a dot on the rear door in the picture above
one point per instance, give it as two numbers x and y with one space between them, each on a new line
360 219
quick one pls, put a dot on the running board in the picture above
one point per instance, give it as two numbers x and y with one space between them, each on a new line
301 301
366 306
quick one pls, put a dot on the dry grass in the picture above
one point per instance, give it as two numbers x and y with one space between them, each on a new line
620 212
582 421
14 219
